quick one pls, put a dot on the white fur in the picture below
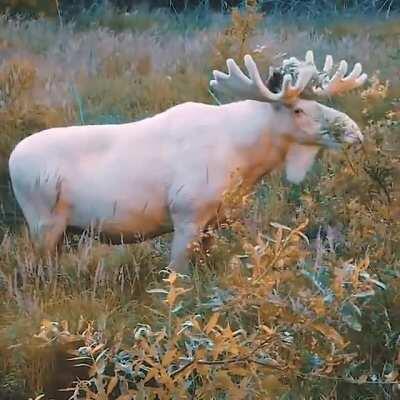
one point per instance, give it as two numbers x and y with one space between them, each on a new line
164 173
299 160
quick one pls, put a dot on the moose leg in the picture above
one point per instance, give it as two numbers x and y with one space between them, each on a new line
184 235
51 229
50 234
190 215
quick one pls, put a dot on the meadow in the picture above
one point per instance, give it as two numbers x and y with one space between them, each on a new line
299 296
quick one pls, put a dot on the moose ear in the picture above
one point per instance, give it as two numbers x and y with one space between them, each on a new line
299 160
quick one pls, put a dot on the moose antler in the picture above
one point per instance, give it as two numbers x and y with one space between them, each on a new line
236 83
253 88
339 83
321 83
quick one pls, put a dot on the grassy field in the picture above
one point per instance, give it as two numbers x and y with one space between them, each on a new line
298 299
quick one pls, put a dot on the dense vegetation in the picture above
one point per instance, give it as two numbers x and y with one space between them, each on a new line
71 9
299 298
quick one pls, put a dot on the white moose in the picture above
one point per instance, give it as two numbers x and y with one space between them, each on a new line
169 172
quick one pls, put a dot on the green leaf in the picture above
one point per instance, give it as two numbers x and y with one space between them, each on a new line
351 316
163 291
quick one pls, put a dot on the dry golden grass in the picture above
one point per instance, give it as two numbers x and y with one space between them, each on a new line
299 299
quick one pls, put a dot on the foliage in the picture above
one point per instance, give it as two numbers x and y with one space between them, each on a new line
297 296
72 8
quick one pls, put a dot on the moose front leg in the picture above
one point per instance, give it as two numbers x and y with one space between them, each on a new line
190 212
184 235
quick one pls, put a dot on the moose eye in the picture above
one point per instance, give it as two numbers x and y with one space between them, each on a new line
298 111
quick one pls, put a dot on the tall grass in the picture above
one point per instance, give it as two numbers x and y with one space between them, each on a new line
299 299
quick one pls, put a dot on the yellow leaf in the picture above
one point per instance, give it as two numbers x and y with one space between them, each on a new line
272 385
180 291
330 333
128 396
97 348
212 322
171 278
227 332
318 304
217 349
223 380
170 300
303 225
165 379
111 385
233 349
174 293
169 356
153 373
269 331
240 371
278 239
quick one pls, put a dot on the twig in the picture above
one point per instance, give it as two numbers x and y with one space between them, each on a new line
59 14
181 369
380 184
79 103
246 358
349 162
214 97
374 178
348 380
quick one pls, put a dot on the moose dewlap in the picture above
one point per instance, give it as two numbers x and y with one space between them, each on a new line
169 172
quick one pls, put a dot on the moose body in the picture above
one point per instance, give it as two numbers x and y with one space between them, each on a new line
162 174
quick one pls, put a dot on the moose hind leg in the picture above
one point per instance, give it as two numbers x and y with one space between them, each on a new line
50 234
51 229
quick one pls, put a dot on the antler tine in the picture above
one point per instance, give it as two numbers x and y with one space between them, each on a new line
288 92
238 84
306 71
310 57
257 81
328 64
326 85
233 82
339 83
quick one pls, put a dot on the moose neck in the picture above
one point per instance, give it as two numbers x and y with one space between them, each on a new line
261 143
